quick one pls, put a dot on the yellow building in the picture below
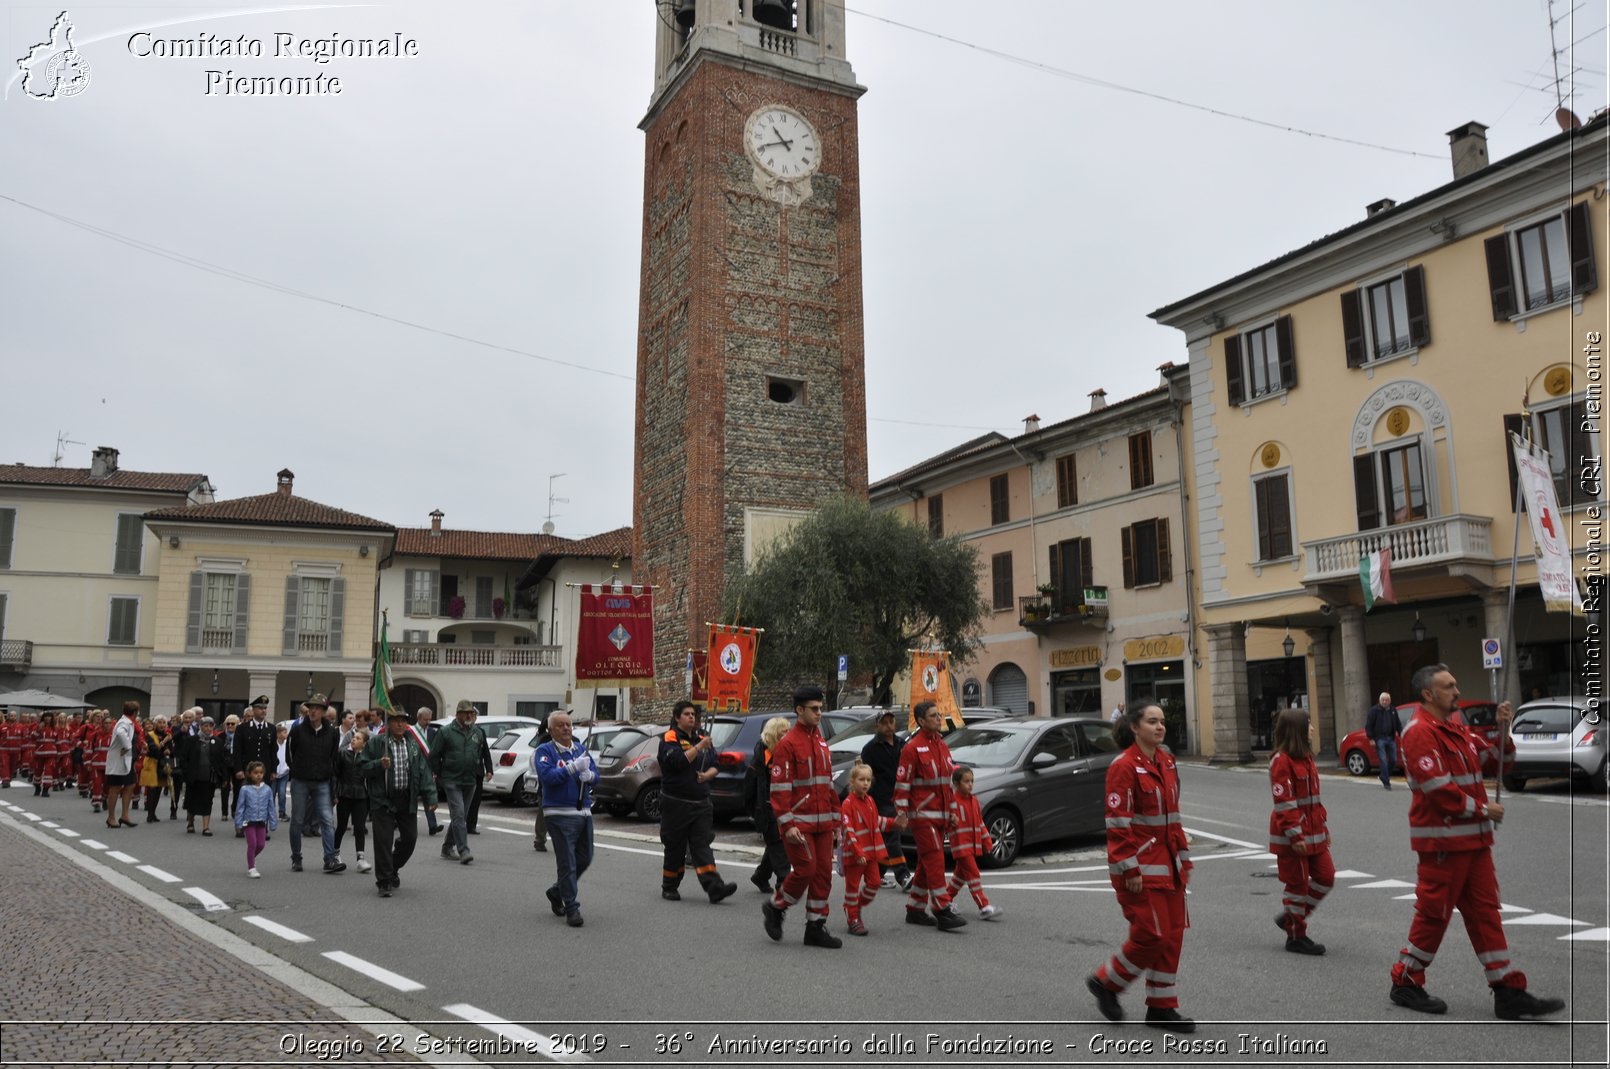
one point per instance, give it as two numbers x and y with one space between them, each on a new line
1080 533
272 595
1353 396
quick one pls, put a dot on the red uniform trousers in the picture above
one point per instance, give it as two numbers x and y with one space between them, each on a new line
966 874
861 881
8 761
811 877
1466 880
97 781
1308 878
45 764
1157 924
928 883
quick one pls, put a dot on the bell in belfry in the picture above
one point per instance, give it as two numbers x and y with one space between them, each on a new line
684 13
778 14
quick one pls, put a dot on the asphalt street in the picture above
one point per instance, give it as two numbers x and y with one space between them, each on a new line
472 952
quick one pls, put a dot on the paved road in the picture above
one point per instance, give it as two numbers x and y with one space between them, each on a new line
467 944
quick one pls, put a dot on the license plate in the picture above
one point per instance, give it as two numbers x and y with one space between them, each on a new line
607 762
1537 736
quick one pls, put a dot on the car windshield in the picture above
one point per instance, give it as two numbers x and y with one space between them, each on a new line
622 741
988 747
1546 719
722 732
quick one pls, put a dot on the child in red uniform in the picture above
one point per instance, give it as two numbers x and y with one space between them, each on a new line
863 846
968 841
1298 836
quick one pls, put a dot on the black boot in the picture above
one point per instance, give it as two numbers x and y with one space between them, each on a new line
1515 1004
817 935
1168 1020
773 922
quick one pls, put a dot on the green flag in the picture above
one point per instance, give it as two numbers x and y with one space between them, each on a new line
381 698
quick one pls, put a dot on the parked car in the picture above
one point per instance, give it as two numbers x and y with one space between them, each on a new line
1358 750
847 745
511 763
629 773
1558 737
1036 779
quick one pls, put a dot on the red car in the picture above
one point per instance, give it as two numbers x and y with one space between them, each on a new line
1358 752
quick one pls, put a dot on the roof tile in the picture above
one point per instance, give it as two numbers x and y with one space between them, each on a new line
274 510
161 482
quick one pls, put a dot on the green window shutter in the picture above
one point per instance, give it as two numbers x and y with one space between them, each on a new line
8 535
338 604
130 539
121 627
408 590
293 593
243 608
1234 376
192 627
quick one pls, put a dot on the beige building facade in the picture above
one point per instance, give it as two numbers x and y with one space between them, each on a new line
1354 396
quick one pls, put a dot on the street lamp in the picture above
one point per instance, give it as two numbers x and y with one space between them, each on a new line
1287 644
1419 629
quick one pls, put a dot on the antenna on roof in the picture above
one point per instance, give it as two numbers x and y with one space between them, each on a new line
547 528
61 454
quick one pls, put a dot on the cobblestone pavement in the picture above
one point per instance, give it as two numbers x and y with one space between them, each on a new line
99 979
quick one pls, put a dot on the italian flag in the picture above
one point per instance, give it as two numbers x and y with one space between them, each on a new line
1375 573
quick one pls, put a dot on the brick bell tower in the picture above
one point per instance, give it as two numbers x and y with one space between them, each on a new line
751 385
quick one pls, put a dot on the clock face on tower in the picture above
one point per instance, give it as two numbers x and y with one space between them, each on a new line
785 151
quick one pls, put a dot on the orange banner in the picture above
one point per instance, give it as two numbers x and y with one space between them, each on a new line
730 666
930 682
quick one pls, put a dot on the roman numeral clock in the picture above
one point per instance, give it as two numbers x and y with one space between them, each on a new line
785 150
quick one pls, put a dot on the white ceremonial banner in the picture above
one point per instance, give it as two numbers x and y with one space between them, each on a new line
1554 577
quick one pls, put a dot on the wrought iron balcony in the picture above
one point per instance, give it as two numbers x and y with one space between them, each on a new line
16 654
1441 541
453 655
1053 607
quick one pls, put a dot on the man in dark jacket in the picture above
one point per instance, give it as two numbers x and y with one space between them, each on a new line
397 771
882 754
1383 727
310 751
254 741
456 757
687 822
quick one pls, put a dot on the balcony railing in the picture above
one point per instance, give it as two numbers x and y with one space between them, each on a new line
1055 607
16 654
452 655
1425 542
218 639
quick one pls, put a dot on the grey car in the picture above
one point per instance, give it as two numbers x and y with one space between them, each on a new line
1558 737
629 773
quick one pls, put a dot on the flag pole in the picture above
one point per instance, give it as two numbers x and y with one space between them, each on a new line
1500 676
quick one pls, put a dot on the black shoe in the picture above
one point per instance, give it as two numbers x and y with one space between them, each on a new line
1106 999
917 916
670 894
472 831
573 918
437 830
333 867
396 882
949 920
296 865
1414 997
763 886
722 890
1304 945
817 935
773 922
1514 1004
385 890
556 902
465 858
1168 1020
538 845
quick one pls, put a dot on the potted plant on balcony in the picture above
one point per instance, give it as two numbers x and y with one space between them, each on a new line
497 608
455 606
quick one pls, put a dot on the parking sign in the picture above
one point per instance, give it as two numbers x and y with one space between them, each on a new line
1492 654
844 667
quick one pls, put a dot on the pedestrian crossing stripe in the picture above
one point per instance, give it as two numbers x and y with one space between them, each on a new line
1594 935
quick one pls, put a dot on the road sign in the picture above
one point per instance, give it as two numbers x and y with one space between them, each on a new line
1492 654
844 667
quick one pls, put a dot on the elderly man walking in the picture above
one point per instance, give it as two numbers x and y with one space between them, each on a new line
565 770
457 757
397 772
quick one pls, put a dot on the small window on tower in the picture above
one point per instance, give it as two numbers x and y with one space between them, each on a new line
785 391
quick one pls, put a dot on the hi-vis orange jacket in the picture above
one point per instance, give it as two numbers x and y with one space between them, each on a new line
970 838
922 780
802 782
1448 811
1298 815
1144 833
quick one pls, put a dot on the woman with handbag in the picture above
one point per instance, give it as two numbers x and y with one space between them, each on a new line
155 772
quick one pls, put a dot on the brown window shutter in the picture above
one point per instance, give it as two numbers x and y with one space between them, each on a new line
1513 424
1260 493
1165 558
1129 557
1584 272
1084 567
1369 510
1500 279
1288 352
1056 567
1233 372
1353 329
1414 294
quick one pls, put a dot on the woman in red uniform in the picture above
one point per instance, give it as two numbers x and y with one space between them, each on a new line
45 755
1298 836
1150 865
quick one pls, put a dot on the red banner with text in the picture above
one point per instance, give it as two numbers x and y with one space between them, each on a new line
730 665
615 636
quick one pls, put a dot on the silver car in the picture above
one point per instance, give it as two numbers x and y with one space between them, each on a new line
511 763
1558 737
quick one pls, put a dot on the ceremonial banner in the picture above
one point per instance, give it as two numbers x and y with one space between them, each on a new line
930 682
381 697
615 636
1554 579
1375 572
698 673
730 666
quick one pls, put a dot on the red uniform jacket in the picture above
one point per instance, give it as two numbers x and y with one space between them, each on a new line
922 779
1144 832
1442 761
802 782
970 838
863 830
1298 816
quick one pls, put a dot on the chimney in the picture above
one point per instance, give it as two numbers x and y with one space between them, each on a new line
1387 202
286 477
1468 143
436 523
103 462
1031 424
1162 372
1098 399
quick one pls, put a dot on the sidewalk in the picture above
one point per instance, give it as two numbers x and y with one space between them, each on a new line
100 977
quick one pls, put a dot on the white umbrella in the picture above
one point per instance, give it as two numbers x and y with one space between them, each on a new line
40 699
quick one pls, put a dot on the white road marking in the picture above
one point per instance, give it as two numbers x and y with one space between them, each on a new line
629 849
95 844
511 831
69 832
35 817
1600 802
211 902
1243 844
1102 886
48 824
118 855
165 877
1354 874
1237 855
1595 935
290 935
1505 907
1380 883
374 972
1046 872
1544 918
545 1045
1226 823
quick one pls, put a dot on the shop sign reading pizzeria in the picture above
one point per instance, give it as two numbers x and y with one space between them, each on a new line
1077 657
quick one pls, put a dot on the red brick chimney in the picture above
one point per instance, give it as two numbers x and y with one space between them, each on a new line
286 477
436 523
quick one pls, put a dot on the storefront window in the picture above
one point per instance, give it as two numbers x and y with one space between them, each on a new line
1076 693
1272 686
1162 683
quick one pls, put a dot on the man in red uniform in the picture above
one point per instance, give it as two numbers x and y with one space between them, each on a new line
807 811
10 747
1451 829
922 793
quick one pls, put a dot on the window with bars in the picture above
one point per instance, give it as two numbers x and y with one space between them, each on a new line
1272 500
123 622
1000 568
130 544
1260 361
1000 499
1067 481
1140 460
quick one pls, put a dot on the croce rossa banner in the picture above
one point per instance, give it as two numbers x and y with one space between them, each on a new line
615 638
730 666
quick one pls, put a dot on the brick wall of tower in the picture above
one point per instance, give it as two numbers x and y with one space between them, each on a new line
736 288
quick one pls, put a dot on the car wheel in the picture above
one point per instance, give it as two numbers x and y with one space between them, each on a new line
526 795
1357 763
1007 832
620 809
648 802
1514 783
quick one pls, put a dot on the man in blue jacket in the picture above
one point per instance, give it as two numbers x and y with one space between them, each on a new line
1384 728
565 771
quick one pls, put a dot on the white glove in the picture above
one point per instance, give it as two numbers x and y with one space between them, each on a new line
586 775
582 764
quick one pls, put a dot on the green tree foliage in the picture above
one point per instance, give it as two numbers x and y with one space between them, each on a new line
869 584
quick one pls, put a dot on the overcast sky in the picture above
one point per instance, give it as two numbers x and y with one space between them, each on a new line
1020 220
